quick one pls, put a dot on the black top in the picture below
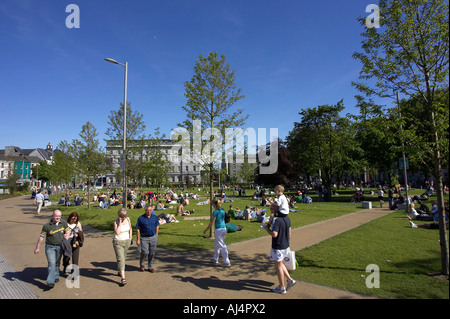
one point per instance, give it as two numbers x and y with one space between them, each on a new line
281 225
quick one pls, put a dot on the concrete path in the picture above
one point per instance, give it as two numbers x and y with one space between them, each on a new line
179 275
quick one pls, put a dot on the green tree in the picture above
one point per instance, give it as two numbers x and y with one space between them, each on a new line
325 141
90 158
377 135
156 165
135 128
63 166
409 54
11 182
43 171
211 94
135 124
419 143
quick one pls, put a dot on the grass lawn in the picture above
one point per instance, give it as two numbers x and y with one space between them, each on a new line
188 234
405 256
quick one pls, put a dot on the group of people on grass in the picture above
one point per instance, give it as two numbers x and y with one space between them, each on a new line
63 239
423 213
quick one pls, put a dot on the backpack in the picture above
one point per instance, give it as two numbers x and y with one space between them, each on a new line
227 218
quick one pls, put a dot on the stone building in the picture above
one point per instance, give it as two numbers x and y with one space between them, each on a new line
179 172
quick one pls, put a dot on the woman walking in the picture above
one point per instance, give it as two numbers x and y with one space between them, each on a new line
218 219
122 241
76 239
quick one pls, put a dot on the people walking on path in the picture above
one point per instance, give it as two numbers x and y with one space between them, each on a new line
76 240
381 196
147 229
54 232
121 242
39 201
218 220
281 236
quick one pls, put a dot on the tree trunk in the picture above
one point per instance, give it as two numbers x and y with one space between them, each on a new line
440 198
89 193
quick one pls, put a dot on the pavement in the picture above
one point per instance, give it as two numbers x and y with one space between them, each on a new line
179 275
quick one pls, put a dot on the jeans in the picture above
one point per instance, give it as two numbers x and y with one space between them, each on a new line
148 250
54 254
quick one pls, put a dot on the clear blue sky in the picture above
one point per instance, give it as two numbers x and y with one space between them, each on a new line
288 55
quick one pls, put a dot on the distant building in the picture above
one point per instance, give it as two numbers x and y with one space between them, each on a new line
21 161
178 174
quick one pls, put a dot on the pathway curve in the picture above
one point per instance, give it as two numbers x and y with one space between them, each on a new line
180 275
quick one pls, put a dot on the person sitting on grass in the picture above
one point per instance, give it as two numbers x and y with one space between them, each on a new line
232 212
181 212
415 215
428 226
167 218
62 200
231 228
435 223
249 213
206 202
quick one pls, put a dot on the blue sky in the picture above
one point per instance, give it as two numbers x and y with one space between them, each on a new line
287 55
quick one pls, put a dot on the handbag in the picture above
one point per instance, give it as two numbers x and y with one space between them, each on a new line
290 261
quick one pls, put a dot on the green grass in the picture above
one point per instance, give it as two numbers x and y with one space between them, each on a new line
405 256
188 234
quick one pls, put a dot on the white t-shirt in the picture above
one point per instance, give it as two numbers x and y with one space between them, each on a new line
124 232
283 205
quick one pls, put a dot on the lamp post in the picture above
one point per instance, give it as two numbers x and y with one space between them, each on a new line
404 156
124 156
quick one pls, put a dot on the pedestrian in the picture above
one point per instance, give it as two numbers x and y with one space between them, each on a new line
121 241
76 239
54 231
218 220
281 236
381 196
39 201
391 196
147 229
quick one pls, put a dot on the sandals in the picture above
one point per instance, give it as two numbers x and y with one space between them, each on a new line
123 282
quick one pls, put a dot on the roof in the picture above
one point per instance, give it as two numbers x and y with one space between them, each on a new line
35 155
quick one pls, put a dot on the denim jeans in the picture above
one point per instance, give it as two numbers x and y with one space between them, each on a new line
54 254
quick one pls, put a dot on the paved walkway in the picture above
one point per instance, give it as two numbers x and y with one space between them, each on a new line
180 275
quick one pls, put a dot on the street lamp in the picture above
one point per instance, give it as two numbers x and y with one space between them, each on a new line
124 156
404 156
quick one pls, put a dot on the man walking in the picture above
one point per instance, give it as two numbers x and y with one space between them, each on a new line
53 232
39 201
147 228
281 236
